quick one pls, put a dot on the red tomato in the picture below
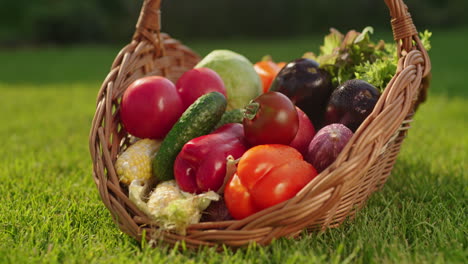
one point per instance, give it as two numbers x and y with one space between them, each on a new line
305 133
197 82
150 107
271 118
266 175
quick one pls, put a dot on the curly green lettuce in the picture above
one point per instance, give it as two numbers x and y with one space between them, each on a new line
356 56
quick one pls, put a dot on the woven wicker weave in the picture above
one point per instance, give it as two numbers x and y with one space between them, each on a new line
333 196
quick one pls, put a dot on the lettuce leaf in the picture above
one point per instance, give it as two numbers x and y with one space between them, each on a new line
356 55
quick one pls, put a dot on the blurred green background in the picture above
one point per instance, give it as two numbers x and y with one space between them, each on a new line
35 22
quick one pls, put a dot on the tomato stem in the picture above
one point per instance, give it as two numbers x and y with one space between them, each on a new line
250 110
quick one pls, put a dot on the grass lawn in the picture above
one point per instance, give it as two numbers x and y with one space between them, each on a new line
50 210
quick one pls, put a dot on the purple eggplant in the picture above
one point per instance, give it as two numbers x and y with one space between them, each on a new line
308 87
351 103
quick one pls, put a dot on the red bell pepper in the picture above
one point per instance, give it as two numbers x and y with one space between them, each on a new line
266 175
201 164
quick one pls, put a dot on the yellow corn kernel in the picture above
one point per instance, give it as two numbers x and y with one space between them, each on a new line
135 162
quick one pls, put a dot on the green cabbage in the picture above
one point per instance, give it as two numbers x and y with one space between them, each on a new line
238 74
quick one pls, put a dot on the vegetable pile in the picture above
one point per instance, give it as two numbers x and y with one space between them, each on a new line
231 138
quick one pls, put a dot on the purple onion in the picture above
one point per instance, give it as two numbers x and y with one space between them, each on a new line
327 145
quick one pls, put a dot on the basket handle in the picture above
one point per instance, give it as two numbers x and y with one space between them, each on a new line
406 37
404 31
402 24
149 22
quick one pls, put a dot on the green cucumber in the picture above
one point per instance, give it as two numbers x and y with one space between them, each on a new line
231 116
198 120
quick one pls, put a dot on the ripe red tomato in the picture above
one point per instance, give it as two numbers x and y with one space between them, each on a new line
305 133
271 118
150 107
197 82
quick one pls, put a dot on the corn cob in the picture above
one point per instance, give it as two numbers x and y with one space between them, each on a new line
135 162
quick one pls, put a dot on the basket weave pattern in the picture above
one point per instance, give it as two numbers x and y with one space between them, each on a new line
333 196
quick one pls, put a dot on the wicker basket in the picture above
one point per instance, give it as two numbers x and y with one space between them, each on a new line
333 196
